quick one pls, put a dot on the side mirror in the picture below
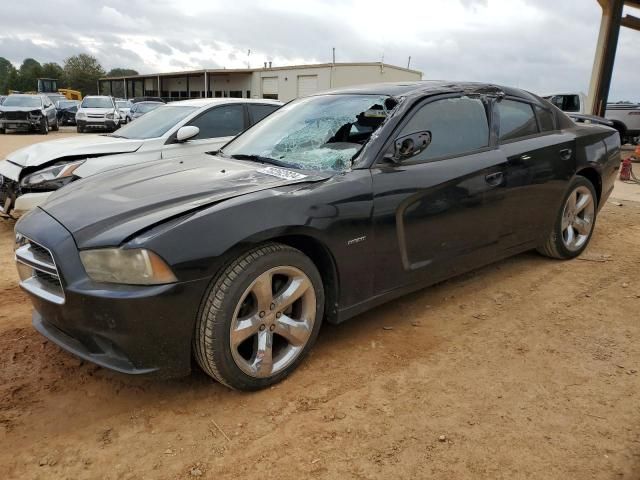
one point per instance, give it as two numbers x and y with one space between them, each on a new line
185 133
409 146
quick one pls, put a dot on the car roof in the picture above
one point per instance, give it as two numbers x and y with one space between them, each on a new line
148 101
429 87
26 95
205 102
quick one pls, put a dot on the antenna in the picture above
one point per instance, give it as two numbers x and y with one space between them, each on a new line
248 58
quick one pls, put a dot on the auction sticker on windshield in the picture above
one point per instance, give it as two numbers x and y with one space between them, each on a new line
281 173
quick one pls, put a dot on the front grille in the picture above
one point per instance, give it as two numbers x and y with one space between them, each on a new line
94 115
38 271
16 115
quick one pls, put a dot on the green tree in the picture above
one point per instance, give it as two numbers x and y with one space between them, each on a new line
8 74
29 72
53 70
82 73
121 72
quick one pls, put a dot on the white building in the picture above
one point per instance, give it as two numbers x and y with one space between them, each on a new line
281 83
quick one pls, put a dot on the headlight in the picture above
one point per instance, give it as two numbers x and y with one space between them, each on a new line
59 175
35 113
81 115
109 116
128 266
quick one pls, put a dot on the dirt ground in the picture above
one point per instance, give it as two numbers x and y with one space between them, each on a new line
528 368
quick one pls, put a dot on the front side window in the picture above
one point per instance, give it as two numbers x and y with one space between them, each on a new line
323 132
516 120
97 102
457 125
225 121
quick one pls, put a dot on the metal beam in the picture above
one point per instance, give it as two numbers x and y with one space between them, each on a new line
605 56
631 22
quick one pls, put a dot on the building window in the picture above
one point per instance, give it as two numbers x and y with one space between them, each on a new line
248 94
235 94
270 96
218 93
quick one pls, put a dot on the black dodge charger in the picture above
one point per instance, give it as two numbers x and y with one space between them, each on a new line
328 207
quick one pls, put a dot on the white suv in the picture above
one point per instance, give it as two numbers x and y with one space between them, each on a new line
99 112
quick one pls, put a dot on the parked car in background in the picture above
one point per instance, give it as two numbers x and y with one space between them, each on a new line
124 106
97 112
332 205
55 97
28 112
147 99
139 109
174 130
624 115
66 111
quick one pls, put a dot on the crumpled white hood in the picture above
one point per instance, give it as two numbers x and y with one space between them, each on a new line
41 153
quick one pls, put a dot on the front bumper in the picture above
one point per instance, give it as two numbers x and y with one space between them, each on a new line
97 124
129 329
20 124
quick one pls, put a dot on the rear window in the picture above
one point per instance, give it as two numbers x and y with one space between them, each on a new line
516 120
258 112
546 120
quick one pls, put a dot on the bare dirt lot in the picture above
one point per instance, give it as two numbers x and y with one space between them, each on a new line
529 368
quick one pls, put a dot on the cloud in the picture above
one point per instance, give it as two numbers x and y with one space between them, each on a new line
540 45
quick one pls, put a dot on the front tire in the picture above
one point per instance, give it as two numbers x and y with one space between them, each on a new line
259 318
573 227
79 129
56 126
44 126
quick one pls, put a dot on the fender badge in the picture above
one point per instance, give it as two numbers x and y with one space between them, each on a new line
353 241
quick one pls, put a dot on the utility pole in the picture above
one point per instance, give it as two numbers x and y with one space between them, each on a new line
409 62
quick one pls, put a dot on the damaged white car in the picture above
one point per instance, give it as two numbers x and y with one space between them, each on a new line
29 175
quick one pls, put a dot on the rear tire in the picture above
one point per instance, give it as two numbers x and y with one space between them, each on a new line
575 222
259 318
2 131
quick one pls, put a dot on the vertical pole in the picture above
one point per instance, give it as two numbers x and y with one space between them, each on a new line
159 87
98 84
126 94
188 88
206 85
604 57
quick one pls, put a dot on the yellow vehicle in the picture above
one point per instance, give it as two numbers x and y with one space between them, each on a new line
70 94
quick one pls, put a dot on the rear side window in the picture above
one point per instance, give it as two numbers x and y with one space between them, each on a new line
516 120
546 120
258 112
457 126
225 121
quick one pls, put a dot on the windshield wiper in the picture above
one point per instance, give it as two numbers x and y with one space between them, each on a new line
113 135
261 159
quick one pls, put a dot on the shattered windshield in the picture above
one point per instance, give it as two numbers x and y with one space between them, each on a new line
321 132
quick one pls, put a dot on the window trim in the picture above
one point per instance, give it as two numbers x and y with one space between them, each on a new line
413 111
245 118
249 105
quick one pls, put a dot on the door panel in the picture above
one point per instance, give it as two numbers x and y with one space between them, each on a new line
438 218
537 174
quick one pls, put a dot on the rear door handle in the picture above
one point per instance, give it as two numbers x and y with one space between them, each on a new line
494 179
565 153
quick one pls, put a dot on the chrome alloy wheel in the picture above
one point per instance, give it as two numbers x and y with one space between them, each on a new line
273 321
577 218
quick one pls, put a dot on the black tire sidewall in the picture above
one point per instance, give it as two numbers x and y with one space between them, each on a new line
226 366
557 229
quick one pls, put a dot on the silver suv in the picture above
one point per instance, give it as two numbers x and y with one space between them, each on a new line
97 112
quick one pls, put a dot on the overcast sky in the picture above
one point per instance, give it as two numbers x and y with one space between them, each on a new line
541 45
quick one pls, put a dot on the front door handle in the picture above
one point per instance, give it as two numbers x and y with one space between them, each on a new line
494 179
565 153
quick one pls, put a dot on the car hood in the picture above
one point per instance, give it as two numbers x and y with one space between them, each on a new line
77 146
106 209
